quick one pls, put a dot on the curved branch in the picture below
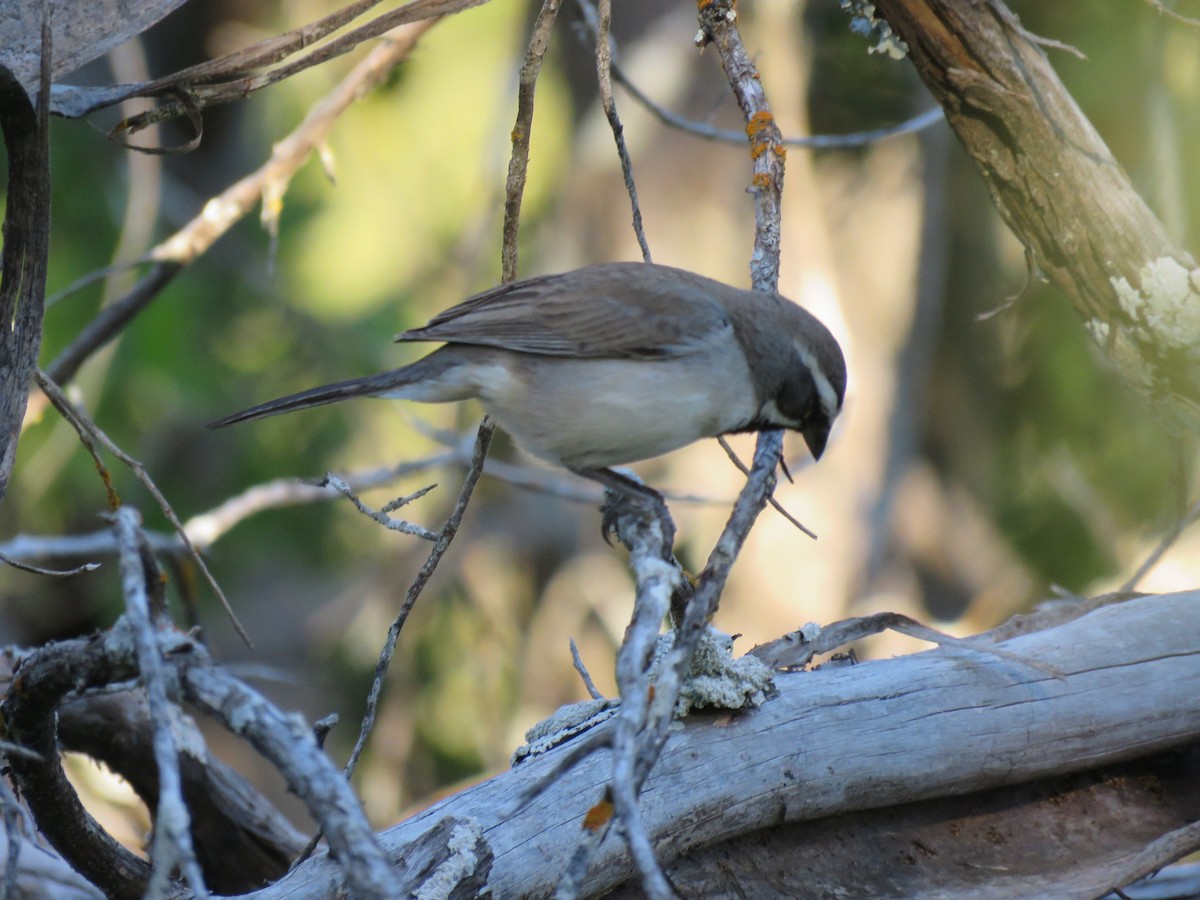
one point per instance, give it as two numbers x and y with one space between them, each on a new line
1063 194
895 741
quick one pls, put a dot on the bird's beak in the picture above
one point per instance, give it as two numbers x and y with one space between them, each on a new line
816 435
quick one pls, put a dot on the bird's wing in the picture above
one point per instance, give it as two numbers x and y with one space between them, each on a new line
614 310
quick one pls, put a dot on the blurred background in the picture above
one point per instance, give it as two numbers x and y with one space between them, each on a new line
987 456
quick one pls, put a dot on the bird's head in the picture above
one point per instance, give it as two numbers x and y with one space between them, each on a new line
811 384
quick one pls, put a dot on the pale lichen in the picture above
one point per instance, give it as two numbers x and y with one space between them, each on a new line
716 680
1167 304
865 23
1099 330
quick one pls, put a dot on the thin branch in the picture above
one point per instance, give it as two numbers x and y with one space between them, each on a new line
290 745
381 515
38 570
207 528
483 440
202 85
89 432
172 844
718 26
221 212
741 467
1163 10
604 75
584 674
633 754
647 710
707 131
797 649
441 545
1167 542
518 164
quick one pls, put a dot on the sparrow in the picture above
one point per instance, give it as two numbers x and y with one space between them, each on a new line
614 363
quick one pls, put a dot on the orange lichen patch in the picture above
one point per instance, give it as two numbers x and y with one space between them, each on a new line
759 123
598 816
761 180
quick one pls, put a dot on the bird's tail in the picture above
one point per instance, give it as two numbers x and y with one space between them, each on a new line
371 385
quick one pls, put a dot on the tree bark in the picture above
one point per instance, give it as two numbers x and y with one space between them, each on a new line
1030 770
1063 194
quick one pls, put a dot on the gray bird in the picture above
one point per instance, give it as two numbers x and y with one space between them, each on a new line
614 363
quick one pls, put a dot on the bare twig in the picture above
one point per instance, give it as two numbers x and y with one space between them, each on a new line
584 674
1167 542
518 164
1163 10
381 515
718 26
741 467
38 570
221 212
798 648
441 545
207 528
223 80
291 746
656 580
172 845
58 670
89 432
604 74
850 141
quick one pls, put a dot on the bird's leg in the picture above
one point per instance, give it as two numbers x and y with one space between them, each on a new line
622 490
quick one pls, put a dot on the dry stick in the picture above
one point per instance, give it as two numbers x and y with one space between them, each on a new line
1163 10
38 570
441 545
852 140
58 670
172 845
195 91
227 92
91 434
604 75
381 516
206 528
292 748
584 674
221 212
656 580
48 675
518 164
1164 545
741 467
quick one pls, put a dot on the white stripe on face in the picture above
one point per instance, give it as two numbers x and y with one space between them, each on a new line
829 398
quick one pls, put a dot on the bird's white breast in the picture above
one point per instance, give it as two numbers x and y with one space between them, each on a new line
591 413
